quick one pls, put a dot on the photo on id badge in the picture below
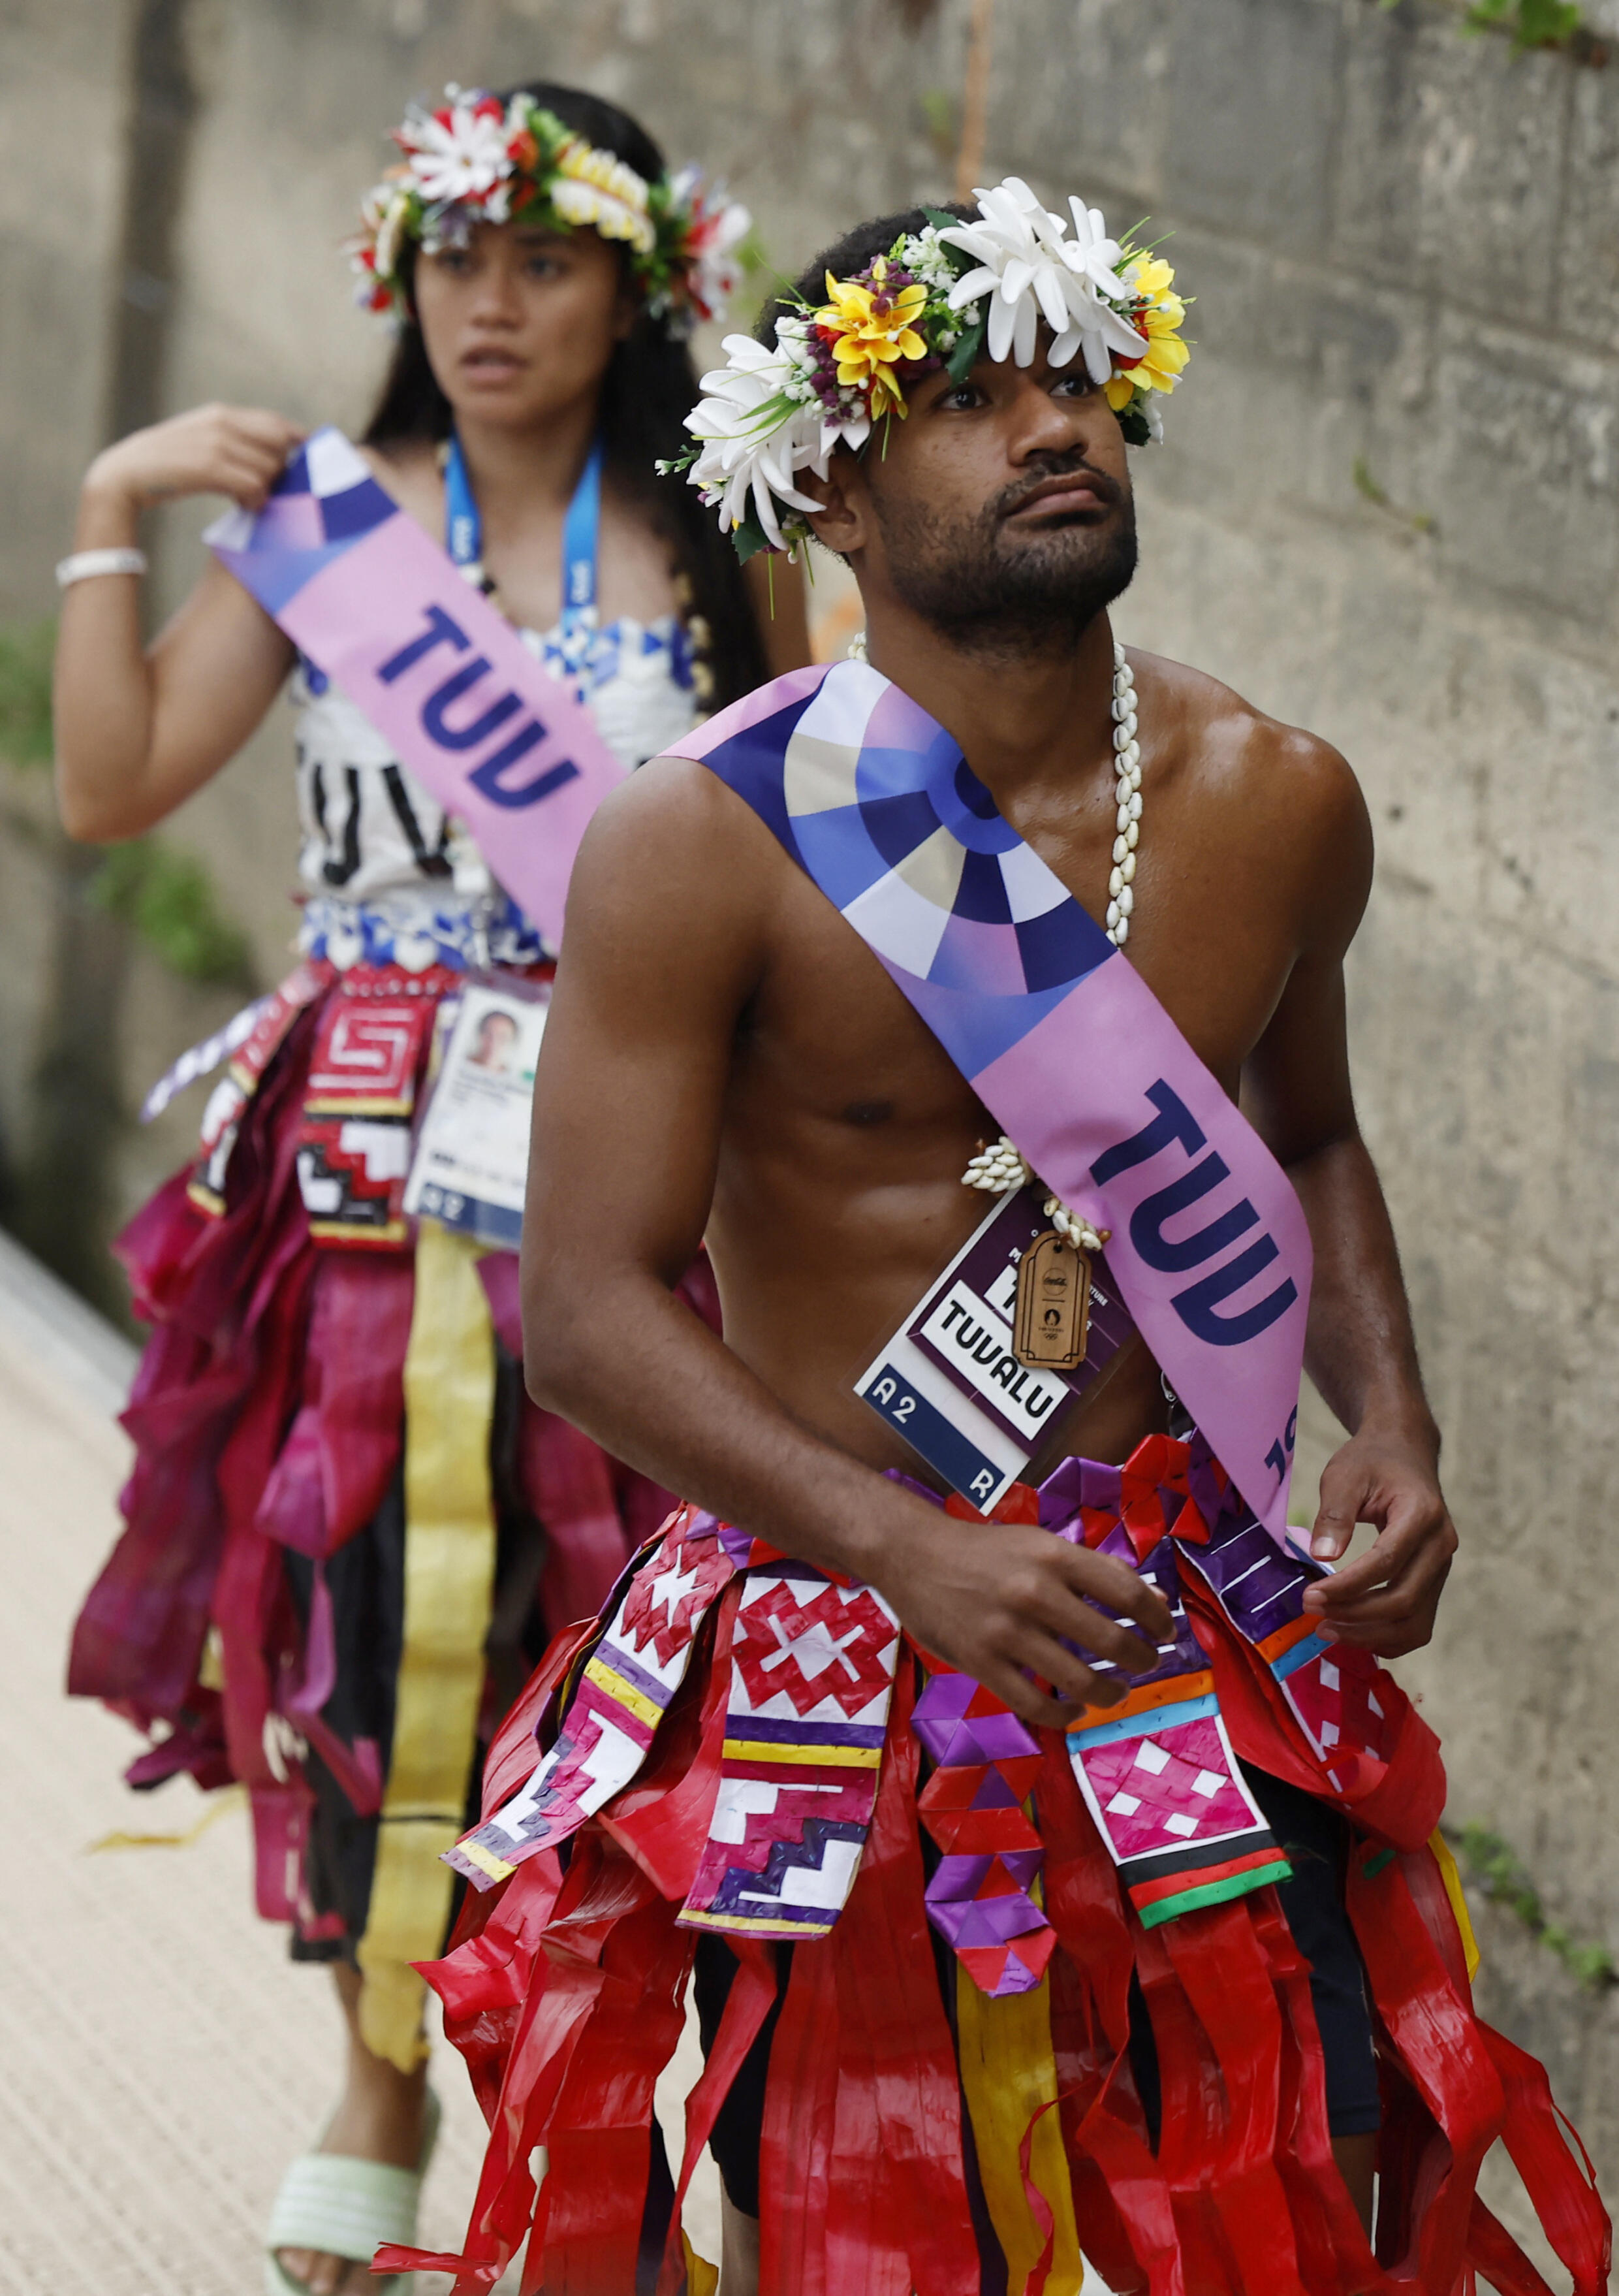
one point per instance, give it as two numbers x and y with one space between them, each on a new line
471 1159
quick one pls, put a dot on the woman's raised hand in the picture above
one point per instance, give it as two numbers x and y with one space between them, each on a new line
137 733
212 450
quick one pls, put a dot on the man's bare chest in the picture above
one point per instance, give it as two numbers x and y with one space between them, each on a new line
830 1029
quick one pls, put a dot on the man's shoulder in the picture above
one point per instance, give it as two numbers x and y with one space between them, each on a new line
1235 749
774 700
674 823
673 797
687 792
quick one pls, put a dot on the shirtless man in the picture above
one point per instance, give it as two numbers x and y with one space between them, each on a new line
725 1059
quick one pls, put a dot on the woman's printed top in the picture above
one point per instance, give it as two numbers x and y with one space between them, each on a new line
389 877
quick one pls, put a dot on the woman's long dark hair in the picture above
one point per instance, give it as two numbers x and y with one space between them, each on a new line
650 387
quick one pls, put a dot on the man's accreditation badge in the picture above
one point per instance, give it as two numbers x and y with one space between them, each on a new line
1052 1319
976 1381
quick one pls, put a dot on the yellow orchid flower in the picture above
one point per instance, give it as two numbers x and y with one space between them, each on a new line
873 331
1165 357
1154 278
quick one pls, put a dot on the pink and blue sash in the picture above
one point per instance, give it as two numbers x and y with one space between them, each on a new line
375 602
1057 1033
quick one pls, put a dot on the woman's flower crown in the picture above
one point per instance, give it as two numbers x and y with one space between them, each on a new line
938 299
476 160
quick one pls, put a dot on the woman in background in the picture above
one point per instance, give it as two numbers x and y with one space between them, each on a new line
348 1533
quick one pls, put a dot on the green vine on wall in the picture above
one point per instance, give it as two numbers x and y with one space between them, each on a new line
1491 1862
1531 24
165 895
25 693
166 899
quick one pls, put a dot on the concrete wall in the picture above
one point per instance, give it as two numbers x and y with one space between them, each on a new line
1404 246
1413 267
62 85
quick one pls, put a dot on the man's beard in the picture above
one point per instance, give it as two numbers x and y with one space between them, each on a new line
1033 597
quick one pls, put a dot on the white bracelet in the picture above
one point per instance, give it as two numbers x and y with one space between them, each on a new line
85 564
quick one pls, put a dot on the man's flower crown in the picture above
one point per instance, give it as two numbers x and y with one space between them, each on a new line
476 160
939 298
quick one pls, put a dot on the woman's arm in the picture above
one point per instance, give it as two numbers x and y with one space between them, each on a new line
137 731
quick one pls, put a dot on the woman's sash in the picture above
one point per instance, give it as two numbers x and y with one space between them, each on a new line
374 602
1056 1032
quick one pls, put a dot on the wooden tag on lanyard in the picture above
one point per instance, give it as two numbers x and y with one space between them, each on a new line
1051 1321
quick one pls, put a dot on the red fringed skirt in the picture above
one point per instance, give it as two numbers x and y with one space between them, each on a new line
741 1749
319 1592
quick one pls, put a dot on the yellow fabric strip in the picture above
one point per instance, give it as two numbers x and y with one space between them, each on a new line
396 1231
449 1580
226 1799
624 1693
359 1104
857 1758
1008 2071
702 2278
755 1924
496 1868
210 1667
1440 1849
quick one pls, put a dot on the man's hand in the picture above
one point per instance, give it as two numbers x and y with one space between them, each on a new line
1003 1600
1384 1601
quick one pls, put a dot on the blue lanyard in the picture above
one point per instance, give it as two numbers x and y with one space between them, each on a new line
464 533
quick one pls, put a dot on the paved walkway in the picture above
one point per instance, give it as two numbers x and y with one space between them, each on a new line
160 2059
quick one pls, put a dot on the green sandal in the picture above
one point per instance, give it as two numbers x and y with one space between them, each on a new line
338 2206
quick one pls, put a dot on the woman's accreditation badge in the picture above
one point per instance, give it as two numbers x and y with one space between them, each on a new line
472 1160
1051 1320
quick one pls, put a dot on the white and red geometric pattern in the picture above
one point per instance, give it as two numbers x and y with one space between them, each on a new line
812 1673
1333 1689
366 1056
803 1650
666 1600
624 1693
1175 1790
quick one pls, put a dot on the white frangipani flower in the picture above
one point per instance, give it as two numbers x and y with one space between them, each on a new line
716 228
753 448
715 272
1030 270
1091 252
462 159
